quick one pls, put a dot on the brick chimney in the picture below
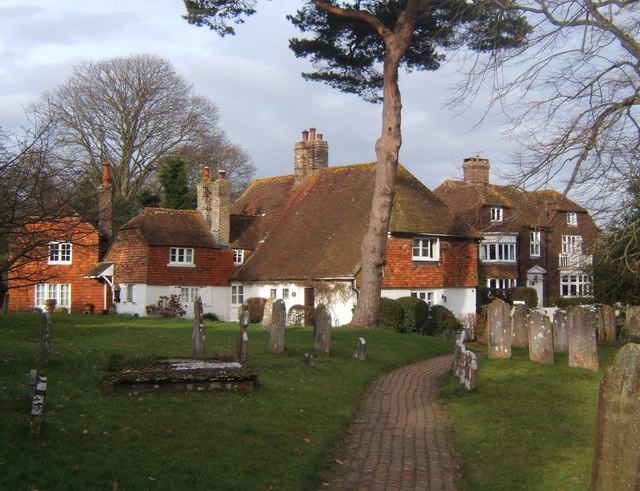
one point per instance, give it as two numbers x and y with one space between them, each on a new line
476 170
105 210
214 203
310 155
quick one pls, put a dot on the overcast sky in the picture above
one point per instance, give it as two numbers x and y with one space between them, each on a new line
253 78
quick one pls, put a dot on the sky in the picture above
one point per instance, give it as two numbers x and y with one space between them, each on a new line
252 77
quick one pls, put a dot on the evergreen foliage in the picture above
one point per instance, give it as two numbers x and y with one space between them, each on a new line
174 179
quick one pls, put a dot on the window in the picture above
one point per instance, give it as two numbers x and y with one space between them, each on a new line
273 293
128 288
534 244
497 214
285 293
61 292
572 218
238 256
188 294
498 249
572 245
59 252
237 294
427 296
502 283
180 256
575 285
426 249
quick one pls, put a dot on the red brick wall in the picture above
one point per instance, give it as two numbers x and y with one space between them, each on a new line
84 256
457 266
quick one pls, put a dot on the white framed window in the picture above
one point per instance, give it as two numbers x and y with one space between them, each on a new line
426 249
572 218
238 257
128 292
237 294
575 285
59 253
61 292
497 214
285 293
180 256
502 283
572 245
498 249
427 296
273 293
188 294
535 240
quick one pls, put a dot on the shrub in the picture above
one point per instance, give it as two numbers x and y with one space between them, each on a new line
391 314
527 294
60 310
486 295
442 322
297 315
415 313
210 316
167 307
566 303
474 325
256 309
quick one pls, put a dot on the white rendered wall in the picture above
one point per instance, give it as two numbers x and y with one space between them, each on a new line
458 300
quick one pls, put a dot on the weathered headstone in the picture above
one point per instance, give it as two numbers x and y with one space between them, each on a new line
322 329
583 349
360 350
560 331
540 337
45 332
242 343
499 328
519 333
465 366
609 322
633 324
5 303
37 405
197 330
268 313
616 456
278 322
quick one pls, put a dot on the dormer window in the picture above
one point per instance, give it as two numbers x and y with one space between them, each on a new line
426 249
572 218
497 213
238 257
181 256
59 253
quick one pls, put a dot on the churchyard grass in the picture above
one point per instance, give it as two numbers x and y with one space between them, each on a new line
527 426
277 437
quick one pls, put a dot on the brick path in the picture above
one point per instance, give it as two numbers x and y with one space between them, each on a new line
401 439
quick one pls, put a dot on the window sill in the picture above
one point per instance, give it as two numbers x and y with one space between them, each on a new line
181 265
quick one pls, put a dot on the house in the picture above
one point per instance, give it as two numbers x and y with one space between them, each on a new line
298 238
162 252
538 239
64 249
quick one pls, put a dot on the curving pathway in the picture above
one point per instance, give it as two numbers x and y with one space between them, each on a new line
401 439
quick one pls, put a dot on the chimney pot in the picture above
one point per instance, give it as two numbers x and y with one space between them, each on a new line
222 173
305 136
106 177
312 134
319 136
206 173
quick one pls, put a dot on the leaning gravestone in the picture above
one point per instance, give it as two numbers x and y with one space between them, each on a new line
609 322
616 456
45 333
540 337
322 328
633 324
197 330
360 350
560 331
268 312
519 333
583 349
242 343
278 323
499 327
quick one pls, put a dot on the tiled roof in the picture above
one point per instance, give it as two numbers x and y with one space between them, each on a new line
314 229
180 228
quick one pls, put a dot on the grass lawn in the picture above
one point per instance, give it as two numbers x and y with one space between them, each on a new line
277 437
527 425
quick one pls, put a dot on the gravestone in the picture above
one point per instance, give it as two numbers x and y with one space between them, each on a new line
616 456
242 343
268 313
360 350
583 349
197 330
499 328
465 366
540 337
45 332
37 405
322 328
278 322
633 324
561 331
609 322
519 333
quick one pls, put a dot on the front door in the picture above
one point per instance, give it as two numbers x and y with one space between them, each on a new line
535 279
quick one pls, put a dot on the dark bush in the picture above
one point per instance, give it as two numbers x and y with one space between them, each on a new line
527 294
167 306
256 309
415 313
486 295
566 303
391 314
210 316
442 322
